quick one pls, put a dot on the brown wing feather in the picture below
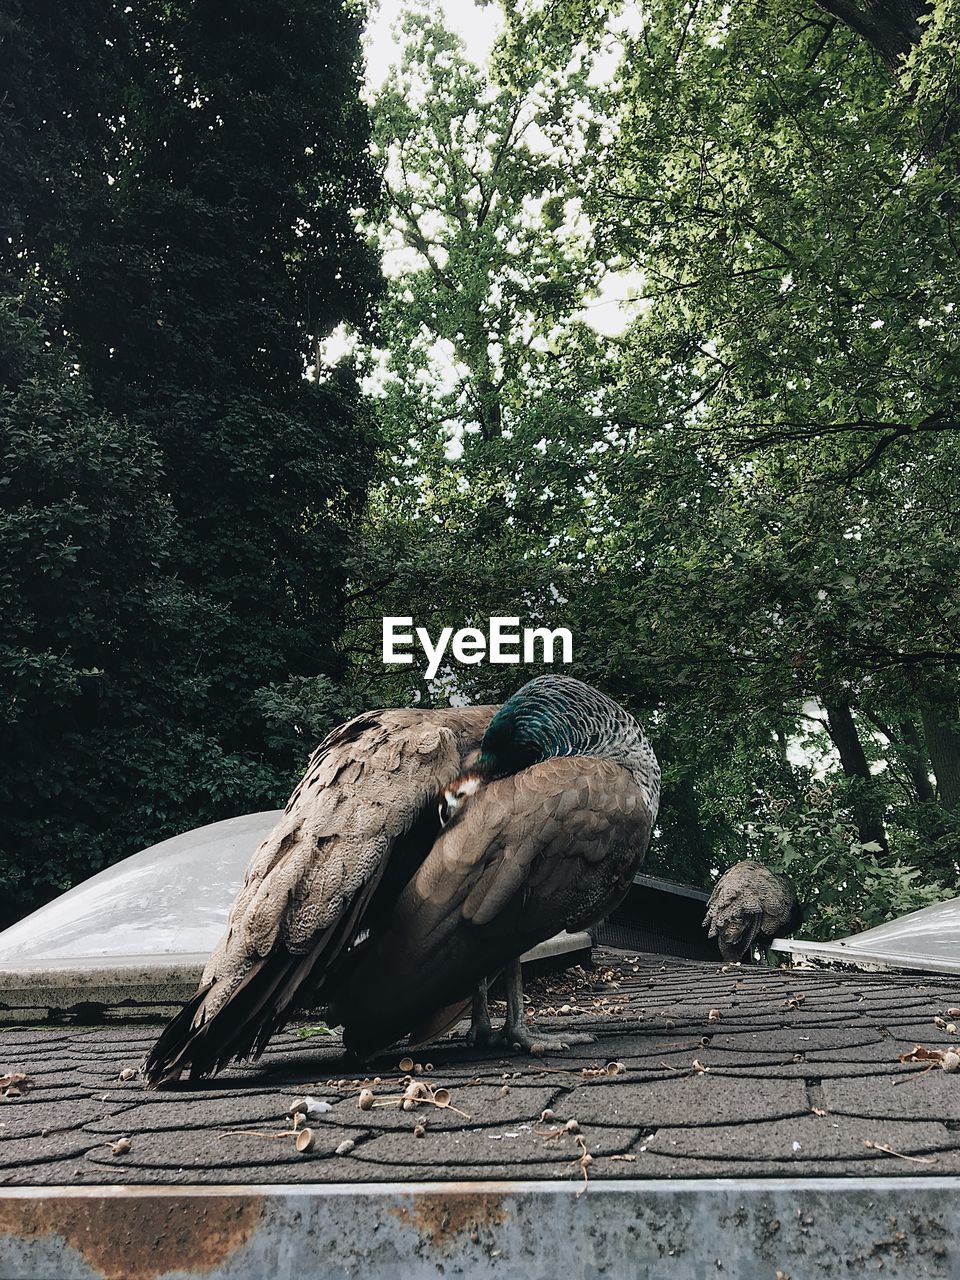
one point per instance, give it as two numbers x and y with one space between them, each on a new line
555 846
310 885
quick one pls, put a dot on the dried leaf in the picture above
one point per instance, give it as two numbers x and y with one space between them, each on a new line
921 1054
14 1084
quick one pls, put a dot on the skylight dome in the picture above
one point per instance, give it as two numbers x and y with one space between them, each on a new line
168 903
926 939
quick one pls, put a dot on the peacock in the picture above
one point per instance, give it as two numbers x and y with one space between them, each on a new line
422 852
750 906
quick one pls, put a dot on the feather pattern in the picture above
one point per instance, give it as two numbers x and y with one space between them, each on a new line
554 846
561 716
365 800
750 906
358 898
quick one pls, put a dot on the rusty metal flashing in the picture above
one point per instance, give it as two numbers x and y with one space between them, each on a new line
747 1229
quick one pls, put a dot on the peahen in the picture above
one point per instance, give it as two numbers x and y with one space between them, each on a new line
422 852
749 907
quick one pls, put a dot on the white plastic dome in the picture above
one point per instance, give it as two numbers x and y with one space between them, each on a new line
925 939
168 901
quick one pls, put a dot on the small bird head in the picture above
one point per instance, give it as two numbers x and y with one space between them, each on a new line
454 796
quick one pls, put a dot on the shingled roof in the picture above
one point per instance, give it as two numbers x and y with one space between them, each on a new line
791 1074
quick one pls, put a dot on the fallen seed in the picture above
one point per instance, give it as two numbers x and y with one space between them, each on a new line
419 1130
127 1073
365 1100
345 1147
950 1061
572 1126
121 1147
714 1015
547 1115
504 1090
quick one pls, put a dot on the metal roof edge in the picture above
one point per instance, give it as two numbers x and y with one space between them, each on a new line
751 1228
836 956
539 1186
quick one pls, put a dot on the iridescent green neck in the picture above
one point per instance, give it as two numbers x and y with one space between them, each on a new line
561 716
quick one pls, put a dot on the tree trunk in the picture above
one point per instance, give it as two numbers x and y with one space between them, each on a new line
940 730
890 27
914 755
867 812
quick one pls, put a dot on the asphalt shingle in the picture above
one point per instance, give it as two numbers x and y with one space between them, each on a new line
697 1070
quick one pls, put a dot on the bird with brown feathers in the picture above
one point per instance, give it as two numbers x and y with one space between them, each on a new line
750 906
423 851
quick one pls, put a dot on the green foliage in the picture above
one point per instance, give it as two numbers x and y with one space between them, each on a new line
301 711
744 500
179 183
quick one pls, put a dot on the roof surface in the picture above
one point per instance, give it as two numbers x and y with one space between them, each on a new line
799 1076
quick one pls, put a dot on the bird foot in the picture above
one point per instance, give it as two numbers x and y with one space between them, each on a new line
521 1038
482 1035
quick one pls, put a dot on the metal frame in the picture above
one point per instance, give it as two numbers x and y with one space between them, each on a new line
756 1229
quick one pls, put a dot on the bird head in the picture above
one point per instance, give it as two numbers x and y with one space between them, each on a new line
456 794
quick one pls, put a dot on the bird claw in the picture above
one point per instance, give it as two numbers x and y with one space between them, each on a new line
521 1040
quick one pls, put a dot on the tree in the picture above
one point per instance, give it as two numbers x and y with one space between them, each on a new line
750 513
180 183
